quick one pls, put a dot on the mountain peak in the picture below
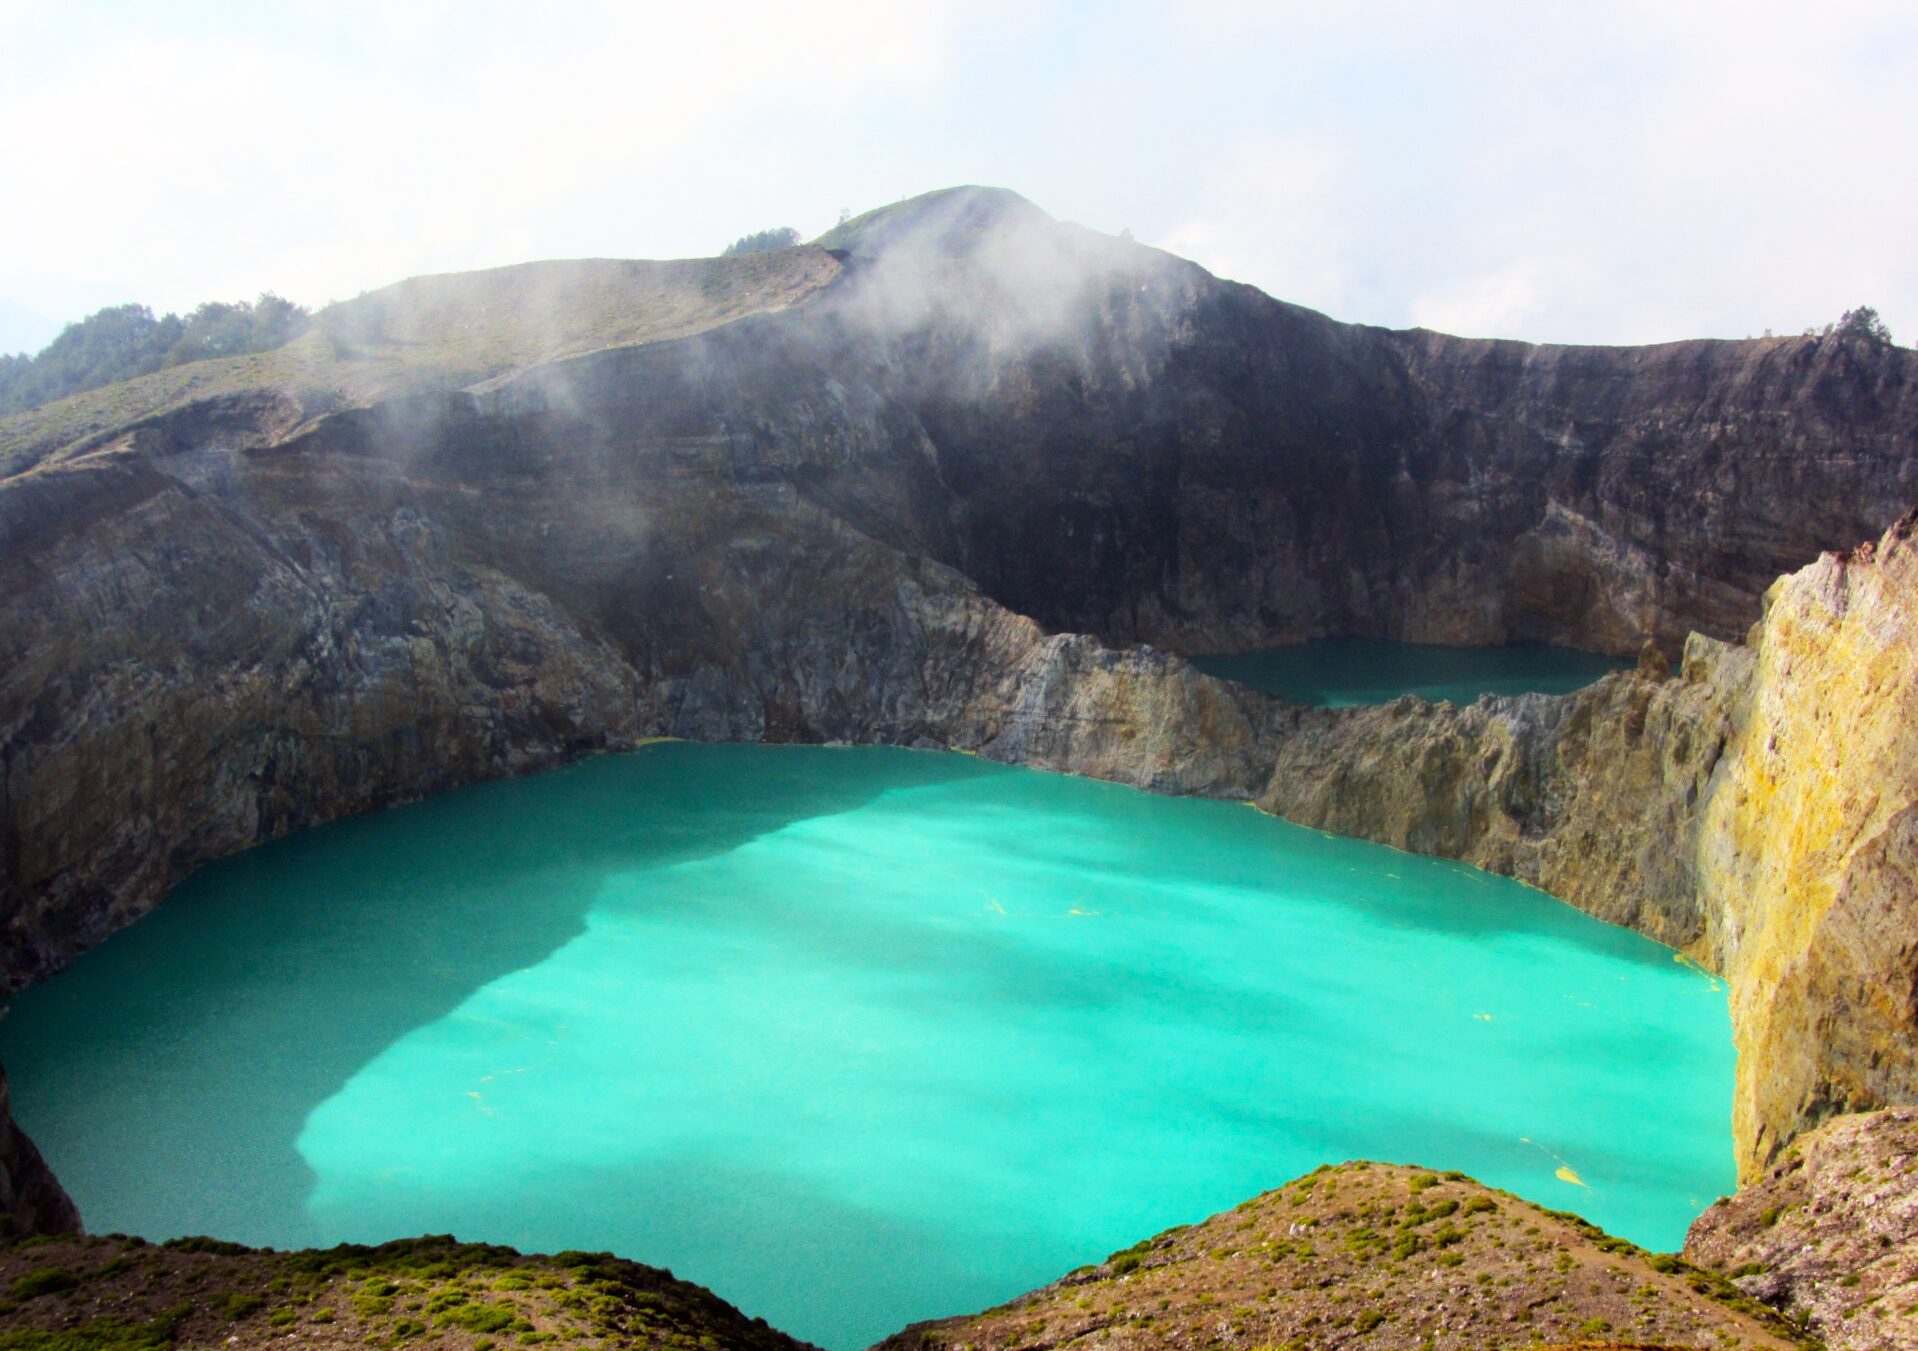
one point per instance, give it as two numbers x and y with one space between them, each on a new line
950 222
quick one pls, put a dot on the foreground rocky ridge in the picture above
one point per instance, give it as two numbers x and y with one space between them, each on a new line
118 1294
1376 1256
1370 1255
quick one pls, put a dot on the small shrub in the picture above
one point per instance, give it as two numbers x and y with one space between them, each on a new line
101 1334
201 1243
763 241
44 1281
1864 322
240 1304
477 1317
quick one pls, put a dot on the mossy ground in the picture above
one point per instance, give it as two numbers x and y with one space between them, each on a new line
119 1294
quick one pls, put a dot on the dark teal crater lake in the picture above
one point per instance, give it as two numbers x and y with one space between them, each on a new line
1341 672
853 1036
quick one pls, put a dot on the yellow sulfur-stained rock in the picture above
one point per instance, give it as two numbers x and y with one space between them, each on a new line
1808 853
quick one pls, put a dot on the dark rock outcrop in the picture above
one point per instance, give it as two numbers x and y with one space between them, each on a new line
31 1198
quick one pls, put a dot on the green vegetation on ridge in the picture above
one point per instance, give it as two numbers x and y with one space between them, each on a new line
125 1294
124 341
436 333
763 241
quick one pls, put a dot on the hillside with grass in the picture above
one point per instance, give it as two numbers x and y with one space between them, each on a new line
433 334
121 1294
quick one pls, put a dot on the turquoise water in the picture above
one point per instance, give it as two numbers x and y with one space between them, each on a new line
853 1036
1341 672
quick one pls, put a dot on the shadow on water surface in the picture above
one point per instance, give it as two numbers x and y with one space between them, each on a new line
216 1025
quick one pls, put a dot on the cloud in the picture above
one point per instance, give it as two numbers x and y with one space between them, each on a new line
1636 173
323 149
1269 213
1496 304
1633 172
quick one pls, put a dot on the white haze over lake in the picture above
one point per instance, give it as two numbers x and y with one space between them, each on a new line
1622 172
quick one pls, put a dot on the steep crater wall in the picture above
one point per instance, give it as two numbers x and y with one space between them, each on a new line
830 523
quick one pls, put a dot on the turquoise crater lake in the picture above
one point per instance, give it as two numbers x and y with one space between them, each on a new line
1342 672
853 1036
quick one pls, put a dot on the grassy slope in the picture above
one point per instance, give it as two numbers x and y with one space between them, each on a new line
1375 1256
116 1294
441 332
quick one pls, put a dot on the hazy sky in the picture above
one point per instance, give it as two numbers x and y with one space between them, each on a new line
1571 171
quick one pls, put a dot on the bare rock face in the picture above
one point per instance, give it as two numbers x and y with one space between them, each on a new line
1129 448
1829 1234
1809 855
1593 796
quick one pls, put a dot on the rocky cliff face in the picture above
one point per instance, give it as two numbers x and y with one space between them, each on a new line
1755 812
1593 796
1809 851
900 491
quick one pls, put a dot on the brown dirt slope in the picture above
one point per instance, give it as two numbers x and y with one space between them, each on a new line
116 1294
1374 1256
